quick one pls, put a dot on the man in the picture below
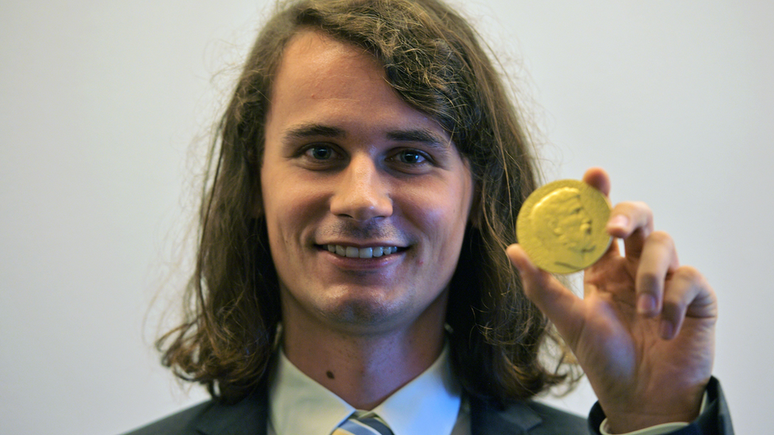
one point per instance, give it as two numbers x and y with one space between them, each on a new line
351 267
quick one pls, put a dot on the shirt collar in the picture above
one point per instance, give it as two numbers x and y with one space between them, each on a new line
428 405
300 405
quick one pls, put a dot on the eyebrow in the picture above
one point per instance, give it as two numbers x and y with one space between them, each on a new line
305 131
424 136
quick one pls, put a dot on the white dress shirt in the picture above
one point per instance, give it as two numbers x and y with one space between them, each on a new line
431 404
428 405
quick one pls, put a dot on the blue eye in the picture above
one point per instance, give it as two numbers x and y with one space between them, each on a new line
320 152
411 157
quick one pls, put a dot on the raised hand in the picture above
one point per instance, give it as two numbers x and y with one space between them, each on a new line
644 330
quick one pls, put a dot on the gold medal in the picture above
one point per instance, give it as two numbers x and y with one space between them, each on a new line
561 226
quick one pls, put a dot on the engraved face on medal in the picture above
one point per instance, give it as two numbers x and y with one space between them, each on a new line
561 226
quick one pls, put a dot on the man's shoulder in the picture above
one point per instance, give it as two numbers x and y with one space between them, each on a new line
183 422
530 417
247 416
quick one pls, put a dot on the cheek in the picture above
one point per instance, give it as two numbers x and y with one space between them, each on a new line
278 204
440 212
292 207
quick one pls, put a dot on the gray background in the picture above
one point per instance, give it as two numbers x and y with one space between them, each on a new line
100 103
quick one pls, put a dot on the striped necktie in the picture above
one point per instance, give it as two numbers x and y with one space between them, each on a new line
362 426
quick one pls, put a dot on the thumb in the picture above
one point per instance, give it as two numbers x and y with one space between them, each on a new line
561 306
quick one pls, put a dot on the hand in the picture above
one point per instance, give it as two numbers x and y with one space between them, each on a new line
644 331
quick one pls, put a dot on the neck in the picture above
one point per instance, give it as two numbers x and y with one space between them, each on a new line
364 369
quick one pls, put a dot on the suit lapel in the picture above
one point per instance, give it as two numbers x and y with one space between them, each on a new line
247 417
250 417
490 419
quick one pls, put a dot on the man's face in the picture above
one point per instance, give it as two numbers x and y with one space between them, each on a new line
366 199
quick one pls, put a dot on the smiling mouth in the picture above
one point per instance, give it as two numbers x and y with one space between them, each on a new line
368 252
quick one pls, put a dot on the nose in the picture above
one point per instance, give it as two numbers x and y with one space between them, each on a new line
361 194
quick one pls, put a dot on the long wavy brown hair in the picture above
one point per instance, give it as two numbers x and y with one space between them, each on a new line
434 60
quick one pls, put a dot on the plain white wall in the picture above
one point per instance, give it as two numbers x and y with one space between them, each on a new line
100 102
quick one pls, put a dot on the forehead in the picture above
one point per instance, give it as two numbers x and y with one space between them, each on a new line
324 80
312 58
326 53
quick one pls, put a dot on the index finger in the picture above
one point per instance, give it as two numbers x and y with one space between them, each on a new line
632 222
599 179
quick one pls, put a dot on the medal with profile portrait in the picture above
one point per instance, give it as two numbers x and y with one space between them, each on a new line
561 226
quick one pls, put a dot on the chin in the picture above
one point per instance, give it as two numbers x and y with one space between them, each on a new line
361 312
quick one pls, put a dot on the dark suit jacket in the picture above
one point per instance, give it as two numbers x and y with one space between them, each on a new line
249 417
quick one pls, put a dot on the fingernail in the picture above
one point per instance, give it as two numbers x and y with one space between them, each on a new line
620 221
666 329
646 304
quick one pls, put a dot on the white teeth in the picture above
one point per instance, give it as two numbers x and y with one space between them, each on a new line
370 252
